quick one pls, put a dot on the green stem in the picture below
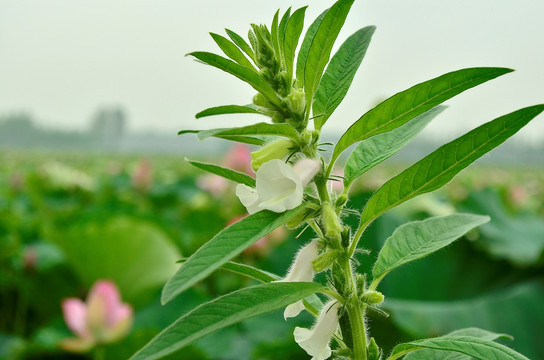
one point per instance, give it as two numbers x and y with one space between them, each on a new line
99 353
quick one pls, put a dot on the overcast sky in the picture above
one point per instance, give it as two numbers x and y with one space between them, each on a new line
62 59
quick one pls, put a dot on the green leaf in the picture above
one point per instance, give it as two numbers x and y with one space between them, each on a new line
227 109
242 44
516 309
247 270
284 130
340 72
417 239
281 33
406 105
121 249
305 47
222 247
374 150
230 174
241 72
438 168
232 51
478 348
274 34
518 238
252 140
222 312
322 43
430 354
292 35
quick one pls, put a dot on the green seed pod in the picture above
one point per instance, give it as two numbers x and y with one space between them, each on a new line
372 297
330 221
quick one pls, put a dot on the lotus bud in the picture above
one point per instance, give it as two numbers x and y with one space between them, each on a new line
102 319
316 341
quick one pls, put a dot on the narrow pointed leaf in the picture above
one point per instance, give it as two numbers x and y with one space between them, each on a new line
305 47
340 72
430 354
241 72
222 247
284 130
481 349
320 50
229 174
292 35
224 311
372 151
417 239
232 51
281 32
406 105
227 109
241 43
247 270
439 167
274 34
251 140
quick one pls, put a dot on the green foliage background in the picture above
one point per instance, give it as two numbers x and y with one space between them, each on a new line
67 220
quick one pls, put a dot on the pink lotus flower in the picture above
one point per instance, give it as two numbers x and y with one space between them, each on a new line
102 319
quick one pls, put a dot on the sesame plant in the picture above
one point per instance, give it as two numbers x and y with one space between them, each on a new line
298 93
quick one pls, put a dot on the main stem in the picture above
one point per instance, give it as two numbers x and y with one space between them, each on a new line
354 307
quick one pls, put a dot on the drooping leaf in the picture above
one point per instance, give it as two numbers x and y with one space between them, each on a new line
284 130
229 174
439 167
227 109
374 150
241 72
478 348
292 35
251 140
406 105
232 51
417 239
322 43
222 312
305 47
340 72
430 354
242 44
222 247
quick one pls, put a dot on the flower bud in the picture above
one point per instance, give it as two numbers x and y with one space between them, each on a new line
276 150
373 351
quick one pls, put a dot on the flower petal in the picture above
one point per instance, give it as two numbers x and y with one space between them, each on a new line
293 309
248 197
75 314
316 340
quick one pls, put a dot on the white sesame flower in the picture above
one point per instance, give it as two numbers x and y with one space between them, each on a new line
316 341
301 270
279 187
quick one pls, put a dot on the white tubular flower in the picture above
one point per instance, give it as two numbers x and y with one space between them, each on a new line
301 270
280 187
316 341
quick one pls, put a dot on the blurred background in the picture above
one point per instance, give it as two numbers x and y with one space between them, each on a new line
94 186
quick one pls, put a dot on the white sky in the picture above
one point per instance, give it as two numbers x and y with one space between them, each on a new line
61 59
